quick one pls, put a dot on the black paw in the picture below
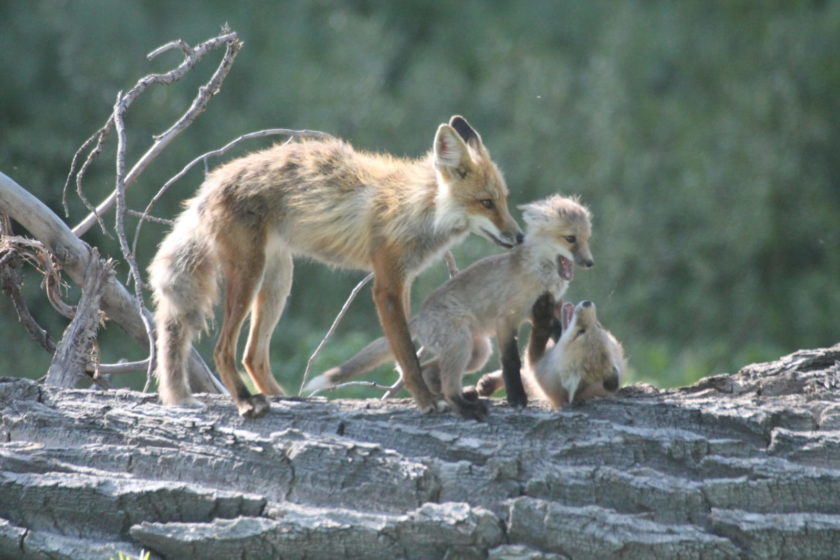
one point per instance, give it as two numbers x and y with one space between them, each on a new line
517 399
469 393
471 410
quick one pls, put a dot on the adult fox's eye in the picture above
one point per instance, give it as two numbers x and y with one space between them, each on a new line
487 203
570 239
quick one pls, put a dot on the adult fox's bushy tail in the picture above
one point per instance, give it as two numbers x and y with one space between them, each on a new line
183 276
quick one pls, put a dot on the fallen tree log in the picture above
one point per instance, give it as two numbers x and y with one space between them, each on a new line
735 466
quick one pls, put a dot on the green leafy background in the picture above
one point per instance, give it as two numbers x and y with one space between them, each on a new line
703 135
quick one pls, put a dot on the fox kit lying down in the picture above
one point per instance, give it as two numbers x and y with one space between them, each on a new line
493 296
584 361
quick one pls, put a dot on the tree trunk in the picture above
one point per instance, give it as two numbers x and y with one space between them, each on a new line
741 466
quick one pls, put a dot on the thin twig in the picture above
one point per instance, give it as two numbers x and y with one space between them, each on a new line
11 280
351 384
393 389
177 43
332 328
205 93
52 285
136 214
217 152
450 263
122 367
99 138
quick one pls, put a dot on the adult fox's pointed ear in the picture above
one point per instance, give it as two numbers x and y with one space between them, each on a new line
450 150
468 133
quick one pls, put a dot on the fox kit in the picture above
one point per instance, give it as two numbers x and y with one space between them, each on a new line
324 200
584 361
492 296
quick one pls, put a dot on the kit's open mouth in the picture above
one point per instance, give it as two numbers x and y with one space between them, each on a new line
566 314
565 268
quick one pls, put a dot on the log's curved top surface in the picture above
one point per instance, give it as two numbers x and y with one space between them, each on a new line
735 466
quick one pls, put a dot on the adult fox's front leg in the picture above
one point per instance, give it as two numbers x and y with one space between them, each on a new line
389 295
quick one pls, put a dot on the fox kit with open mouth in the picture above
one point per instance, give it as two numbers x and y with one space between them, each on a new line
568 360
491 297
324 200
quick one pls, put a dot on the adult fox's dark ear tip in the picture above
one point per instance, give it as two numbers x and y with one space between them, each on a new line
463 128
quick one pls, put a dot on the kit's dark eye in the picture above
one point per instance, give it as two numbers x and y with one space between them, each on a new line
487 203
580 332
571 239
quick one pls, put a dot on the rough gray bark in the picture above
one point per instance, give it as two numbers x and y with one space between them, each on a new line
741 466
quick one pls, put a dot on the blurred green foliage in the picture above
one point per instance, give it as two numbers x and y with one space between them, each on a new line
703 135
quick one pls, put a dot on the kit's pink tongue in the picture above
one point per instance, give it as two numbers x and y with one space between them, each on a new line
566 316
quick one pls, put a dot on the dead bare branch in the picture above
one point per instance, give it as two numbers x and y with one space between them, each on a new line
119 126
99 138
11 281
177 43
73 352
52 286
332 388
449 258
393 389
205 93
122 367
146 217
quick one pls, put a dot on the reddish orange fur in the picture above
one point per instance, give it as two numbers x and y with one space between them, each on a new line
327 201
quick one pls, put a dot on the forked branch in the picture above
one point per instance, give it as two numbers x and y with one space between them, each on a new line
205 93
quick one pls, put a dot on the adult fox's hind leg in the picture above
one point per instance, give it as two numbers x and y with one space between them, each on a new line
243 264
265 313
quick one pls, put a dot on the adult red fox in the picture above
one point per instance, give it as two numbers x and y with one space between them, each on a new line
323 200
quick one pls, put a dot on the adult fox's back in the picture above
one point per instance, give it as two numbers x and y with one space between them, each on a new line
327 201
